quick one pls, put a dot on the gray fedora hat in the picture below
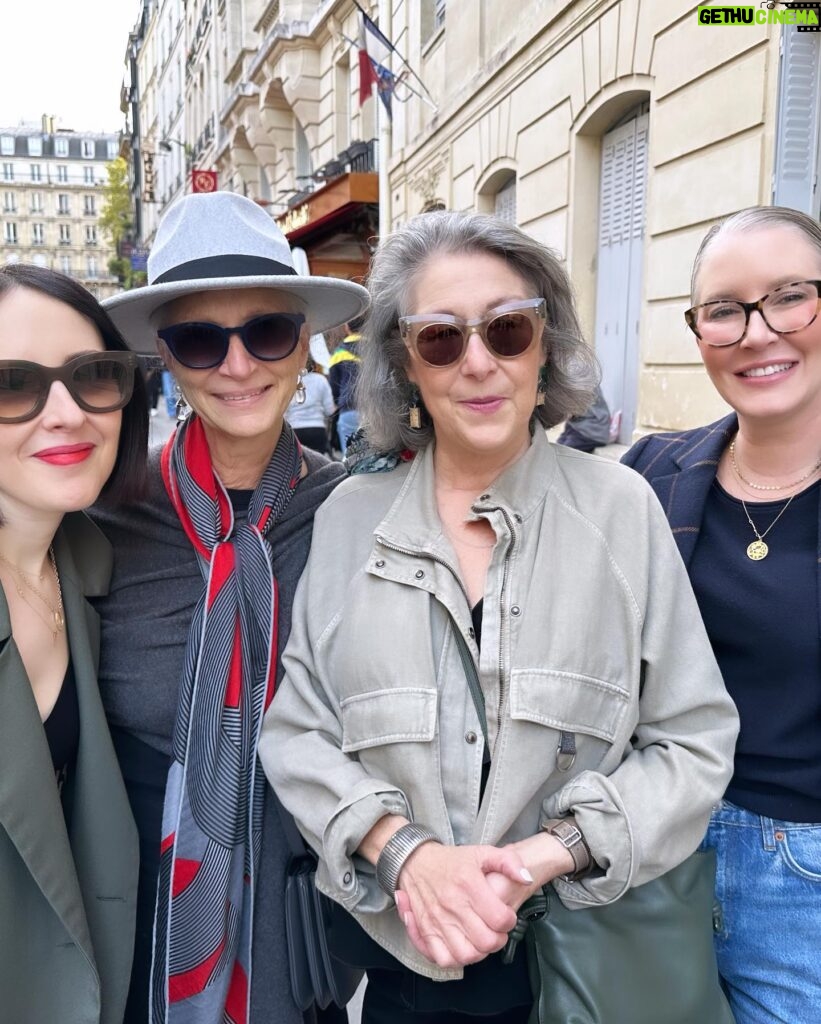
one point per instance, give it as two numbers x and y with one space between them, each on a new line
216 240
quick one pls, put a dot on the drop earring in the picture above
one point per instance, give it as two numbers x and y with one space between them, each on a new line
541 390
301 392
414 410
182 410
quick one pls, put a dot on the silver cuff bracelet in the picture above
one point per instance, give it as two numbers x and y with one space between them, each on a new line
397 850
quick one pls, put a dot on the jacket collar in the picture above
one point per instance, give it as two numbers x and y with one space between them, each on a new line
413 519
684 493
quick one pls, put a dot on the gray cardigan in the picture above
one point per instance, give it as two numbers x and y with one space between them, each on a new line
145 620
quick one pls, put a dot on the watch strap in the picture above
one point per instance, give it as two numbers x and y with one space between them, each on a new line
570 836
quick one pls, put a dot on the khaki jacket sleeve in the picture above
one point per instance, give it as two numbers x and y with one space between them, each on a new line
652 811
333 799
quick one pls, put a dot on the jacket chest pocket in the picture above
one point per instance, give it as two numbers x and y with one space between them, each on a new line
595 711
382 717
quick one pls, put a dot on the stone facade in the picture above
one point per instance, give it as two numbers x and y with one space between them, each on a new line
615 131
52 194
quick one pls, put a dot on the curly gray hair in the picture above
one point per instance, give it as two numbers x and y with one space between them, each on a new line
383 390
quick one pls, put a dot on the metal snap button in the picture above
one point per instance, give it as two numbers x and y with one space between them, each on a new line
484 497
419 574
347 878
517 517
472 633
780 837
379 563
515 610
470 737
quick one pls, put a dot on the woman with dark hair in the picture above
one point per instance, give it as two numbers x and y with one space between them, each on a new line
482 692
743 496
204 574
73 424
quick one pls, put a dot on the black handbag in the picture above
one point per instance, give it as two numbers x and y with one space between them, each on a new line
317 975
646 958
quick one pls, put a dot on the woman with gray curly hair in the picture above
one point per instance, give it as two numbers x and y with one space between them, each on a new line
483 694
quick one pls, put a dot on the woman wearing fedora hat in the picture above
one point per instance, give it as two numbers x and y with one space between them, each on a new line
200 604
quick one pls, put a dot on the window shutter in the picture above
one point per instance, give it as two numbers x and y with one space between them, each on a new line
797 136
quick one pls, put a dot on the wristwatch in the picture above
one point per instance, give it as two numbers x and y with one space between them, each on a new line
570 836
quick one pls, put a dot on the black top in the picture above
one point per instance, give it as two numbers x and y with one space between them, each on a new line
62 728
762 619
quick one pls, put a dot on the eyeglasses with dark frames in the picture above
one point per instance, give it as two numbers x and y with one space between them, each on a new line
97 382
786 309
202 345
507 331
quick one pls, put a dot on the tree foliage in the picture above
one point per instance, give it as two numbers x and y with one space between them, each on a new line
116 214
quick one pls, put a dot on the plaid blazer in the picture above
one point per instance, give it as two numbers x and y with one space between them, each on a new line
681 468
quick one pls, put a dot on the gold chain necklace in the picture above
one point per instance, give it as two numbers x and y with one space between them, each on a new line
58 622
757 549
769 487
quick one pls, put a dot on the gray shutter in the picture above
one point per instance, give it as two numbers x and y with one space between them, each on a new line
797 134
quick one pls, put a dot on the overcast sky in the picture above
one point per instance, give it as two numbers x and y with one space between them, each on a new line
64 58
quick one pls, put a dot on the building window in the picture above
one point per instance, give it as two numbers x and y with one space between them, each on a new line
112 149
432 14
303 156
91 266
9 202
7 145
36 172
63 205
91 234
87 149
62 173
37 234
88 175
65 234
10 233
60 146
39 260
504 205
35 144
36 202
88 206
65 264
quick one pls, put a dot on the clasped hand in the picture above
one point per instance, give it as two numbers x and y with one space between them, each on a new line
458 903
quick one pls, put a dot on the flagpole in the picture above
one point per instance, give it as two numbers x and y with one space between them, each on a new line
384 133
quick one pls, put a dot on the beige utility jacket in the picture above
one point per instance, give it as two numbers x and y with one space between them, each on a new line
589 626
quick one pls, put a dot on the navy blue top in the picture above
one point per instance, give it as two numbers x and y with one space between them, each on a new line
762 619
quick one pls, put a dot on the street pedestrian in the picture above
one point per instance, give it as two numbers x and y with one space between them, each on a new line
205 572
743 497
311 408
73 424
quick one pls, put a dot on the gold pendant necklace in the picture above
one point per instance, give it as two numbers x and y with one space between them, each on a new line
757 549
58 622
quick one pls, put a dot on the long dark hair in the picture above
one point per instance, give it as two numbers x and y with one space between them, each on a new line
128 478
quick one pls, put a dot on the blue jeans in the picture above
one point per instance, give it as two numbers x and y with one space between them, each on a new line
768 932
347 424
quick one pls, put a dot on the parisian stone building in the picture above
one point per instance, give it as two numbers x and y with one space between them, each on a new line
52 192
615 131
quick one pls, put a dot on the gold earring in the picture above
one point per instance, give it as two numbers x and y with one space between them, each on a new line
414 412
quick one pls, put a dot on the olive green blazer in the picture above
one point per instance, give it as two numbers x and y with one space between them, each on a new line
67 898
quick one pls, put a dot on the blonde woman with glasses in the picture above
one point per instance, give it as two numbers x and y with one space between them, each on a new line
742 496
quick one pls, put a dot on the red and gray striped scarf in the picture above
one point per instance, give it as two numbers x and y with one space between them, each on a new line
212 818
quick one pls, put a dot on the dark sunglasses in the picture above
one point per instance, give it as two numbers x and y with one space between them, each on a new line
200 346
98 382
507 331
